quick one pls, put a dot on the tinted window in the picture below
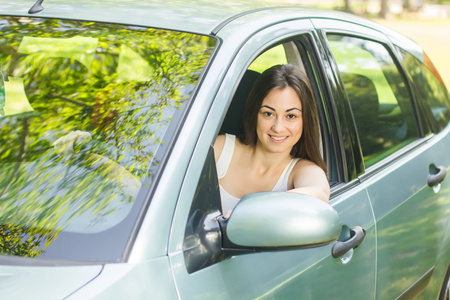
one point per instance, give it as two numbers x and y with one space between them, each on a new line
429 89
84 111
378 96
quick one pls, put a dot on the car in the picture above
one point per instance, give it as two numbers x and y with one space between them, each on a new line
108 185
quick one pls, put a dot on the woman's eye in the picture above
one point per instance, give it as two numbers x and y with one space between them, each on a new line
291 116
267 114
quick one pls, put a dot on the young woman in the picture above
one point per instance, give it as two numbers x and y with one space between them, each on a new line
279 149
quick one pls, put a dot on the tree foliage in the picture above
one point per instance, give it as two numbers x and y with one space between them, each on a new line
122 84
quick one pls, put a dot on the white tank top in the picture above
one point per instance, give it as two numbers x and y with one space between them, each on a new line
229 201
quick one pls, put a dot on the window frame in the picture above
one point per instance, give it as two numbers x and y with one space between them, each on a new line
306 46
430 126
410 115
366 172
314 70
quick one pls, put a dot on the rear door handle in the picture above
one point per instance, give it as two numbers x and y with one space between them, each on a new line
437 174
357 236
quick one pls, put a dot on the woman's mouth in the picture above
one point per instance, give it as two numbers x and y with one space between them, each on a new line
278 139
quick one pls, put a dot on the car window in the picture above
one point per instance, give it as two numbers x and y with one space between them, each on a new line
206 201
275 55
379 98
430 90
85 109
272 56
288 52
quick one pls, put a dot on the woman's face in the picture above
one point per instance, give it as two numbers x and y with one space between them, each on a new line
280 123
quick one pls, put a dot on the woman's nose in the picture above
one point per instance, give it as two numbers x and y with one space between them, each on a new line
277 125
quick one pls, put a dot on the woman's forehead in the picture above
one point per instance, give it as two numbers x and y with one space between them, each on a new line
282 99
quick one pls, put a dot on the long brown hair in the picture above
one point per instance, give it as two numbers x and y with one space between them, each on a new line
280 77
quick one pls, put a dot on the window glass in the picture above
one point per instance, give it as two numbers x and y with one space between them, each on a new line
273 56
84 111
429 89
379 98
200 241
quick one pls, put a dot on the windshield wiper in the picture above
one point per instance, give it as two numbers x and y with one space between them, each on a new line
37 7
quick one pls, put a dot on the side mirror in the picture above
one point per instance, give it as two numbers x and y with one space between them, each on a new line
273 220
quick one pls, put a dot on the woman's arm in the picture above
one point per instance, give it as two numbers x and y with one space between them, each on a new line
310 179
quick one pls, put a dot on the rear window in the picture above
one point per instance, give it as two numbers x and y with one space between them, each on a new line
381 103
86 110
430 90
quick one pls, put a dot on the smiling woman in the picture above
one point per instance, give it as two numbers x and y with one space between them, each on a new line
279 147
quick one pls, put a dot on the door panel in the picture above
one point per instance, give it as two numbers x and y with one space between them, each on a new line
285 274
410 220
292 274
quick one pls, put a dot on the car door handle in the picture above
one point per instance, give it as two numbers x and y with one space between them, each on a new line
357 236
437 176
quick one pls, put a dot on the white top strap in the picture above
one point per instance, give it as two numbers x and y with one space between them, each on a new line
225 157
282 183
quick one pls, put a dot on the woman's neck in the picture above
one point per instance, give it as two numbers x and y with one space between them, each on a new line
266 161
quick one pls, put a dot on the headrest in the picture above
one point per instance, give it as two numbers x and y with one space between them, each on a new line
233 120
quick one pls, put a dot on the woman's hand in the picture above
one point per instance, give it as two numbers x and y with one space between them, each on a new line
227 214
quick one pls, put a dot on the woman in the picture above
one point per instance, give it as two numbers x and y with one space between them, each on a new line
279 149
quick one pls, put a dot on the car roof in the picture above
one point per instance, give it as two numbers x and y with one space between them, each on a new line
207 17
199 16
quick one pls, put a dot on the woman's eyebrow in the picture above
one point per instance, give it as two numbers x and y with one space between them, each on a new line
294 108
287 110
267 106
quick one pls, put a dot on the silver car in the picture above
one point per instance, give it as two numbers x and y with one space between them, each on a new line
108 184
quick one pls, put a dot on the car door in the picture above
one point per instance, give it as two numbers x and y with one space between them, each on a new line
283 274
400 158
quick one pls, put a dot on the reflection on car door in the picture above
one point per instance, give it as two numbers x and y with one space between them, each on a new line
398 162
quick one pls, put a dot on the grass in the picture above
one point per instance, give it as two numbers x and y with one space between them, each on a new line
432 35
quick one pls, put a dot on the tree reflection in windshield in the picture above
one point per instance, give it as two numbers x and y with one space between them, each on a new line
63 80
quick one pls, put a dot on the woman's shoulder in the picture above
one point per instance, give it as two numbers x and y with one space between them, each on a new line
303 162
218 146
307 168
220 141
307 162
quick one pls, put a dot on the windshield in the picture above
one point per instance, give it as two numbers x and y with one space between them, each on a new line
85 109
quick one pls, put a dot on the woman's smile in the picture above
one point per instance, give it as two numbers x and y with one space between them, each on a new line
278 139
